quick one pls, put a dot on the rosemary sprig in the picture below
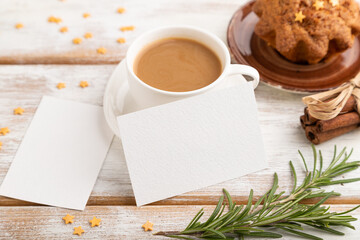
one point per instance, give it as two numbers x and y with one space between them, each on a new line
275 211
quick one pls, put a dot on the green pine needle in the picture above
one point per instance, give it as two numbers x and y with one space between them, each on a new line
273 211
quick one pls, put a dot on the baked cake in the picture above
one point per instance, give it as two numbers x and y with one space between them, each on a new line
308 30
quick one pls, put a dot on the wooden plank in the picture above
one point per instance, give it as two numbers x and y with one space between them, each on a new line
42 42
122 222
279 112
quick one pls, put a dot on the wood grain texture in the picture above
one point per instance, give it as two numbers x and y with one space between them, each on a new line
117 222
279 112
42 42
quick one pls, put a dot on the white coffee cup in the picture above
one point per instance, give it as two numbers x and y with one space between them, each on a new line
148 96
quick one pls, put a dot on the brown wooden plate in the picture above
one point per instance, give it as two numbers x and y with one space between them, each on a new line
276 71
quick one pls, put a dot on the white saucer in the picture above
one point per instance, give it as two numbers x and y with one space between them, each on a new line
117 100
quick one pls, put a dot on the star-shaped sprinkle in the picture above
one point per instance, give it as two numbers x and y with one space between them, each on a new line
121 10
334 3
0 145
101 50
86 15
53 19
88 35
84 84
148 226
121 40
95 222
299 17
18 111
68 219
63 29
77 40
4 131
61 85
19 26
78 231
318 5
127 28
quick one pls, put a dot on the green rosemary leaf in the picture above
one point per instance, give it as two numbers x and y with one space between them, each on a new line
335 160
230 219
217 233
195 219
301 219
345 224
265 234
258 203
327 229
302 234
231 203
216 211
273 189
343 171
348 211
315 161
344 181
320 202
269 220
321 162
294 175
235 228
302 157
289 225
180 237
317 195
248 206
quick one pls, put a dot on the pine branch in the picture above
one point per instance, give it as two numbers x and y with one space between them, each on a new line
275 211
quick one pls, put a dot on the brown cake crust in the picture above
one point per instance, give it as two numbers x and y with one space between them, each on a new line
322 33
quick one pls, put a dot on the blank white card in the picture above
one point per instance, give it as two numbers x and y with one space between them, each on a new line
192 143
60 156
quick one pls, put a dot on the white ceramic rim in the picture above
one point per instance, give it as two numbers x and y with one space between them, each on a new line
180 27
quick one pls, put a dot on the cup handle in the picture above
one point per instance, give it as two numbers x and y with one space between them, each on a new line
236 69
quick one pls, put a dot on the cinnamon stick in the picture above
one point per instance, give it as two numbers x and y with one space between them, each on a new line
349 106
308 118
302 121
343 120
319 137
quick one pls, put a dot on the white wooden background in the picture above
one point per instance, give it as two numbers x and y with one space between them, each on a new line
40 42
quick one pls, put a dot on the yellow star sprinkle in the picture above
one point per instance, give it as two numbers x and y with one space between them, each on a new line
318 5
95 222
84 84
101 50
68 219
63 29
19 26
53 19
78 231
88 35
127 28
4 131
121 10
334 3
18 111
77 40
86 15
299 17
0 145
61 85
121 40
148 226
